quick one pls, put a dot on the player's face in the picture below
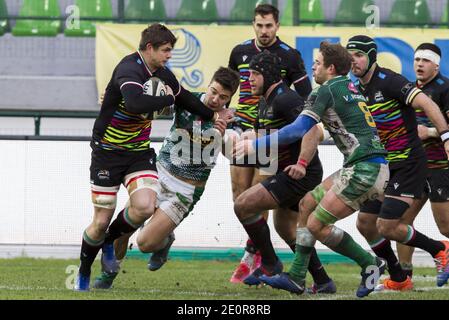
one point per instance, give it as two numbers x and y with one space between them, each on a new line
216 96
160 56
256 82
359 63
320 73
425 69
265 28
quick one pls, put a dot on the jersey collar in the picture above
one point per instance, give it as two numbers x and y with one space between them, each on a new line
428 83
144 63
260 49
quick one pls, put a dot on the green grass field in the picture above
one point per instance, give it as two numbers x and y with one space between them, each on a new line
181 280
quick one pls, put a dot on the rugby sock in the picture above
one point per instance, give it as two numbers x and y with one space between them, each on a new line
408 268
259 232
315 267
418 240
120 226
292 246
250 251
250 247
89 251
349 248
298 270
341 242
382 248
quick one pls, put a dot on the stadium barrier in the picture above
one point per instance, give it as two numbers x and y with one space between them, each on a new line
46 204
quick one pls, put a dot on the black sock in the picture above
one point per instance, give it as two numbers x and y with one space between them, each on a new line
259 232
88 254
408 269
292 246
250 247
384 250
119 227
316 269
418 240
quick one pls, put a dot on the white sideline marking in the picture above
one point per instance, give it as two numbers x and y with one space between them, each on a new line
353 296
175 292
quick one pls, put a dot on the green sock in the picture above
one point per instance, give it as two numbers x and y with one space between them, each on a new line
349 248
298 270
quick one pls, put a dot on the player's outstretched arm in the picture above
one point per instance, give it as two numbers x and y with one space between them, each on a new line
194 105
287 135
309 144
138 102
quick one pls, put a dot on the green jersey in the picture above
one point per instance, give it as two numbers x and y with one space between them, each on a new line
191 148
343 111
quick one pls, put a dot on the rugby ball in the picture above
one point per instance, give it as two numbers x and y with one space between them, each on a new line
154 87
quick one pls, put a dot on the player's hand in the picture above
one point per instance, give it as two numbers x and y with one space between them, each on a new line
226 114
102 98
242 148
295 171
446 148
169 91
220 124
423 132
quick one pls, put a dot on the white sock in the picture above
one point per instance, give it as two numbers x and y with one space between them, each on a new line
248 259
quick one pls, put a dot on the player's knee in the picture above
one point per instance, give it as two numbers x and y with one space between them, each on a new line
364 226
314 226
387 228
142 209
304 210
145 245
241 207
100 224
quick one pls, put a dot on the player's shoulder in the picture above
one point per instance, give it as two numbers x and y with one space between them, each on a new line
442 81
132 60
386 75
285 47
131 67
284 95
244 46
285 50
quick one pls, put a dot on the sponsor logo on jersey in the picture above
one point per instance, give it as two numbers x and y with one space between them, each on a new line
103 174
352 87
244 58
378 97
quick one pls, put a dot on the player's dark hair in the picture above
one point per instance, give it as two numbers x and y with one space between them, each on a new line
266 9
336 54
429 46
157 35
227 78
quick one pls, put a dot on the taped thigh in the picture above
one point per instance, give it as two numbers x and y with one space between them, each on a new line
146 179
104 197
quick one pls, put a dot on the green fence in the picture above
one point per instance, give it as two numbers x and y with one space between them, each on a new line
47 18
